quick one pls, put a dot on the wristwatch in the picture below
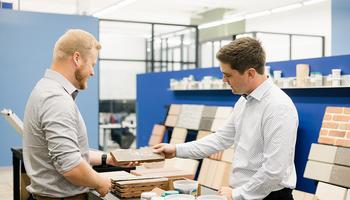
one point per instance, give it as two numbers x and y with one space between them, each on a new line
104 159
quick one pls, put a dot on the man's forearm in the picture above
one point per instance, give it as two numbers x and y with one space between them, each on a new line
84 175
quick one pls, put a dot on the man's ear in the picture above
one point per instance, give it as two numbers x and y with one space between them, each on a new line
251 73
76 58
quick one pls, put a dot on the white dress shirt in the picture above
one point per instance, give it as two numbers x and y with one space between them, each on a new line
263 128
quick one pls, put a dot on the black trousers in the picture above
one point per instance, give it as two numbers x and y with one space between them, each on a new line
284 194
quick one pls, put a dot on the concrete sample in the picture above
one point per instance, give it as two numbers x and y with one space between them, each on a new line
323 153
190 116
209 111
205 123
330 154
329 173
326 191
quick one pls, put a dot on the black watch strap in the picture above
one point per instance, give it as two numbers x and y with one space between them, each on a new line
104 159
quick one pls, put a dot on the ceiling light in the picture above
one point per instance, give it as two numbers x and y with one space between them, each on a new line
310 2
257 14
210 24
113 7
285 8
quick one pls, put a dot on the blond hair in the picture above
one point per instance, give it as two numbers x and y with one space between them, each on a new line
75 40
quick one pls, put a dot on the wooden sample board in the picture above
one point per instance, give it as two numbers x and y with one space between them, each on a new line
125 156
134 186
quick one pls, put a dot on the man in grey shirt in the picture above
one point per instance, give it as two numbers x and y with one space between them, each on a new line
262 127
55 145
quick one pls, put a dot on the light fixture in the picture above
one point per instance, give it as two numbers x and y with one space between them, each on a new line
113 7
257 14
310 2
285 8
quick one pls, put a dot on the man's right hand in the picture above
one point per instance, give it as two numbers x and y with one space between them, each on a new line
169 150
104 186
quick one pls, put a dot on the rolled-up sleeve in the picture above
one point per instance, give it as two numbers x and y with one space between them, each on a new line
59 119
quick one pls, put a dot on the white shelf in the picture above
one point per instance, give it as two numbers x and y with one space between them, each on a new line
283 88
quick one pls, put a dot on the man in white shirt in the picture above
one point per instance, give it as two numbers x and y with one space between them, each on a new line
262 127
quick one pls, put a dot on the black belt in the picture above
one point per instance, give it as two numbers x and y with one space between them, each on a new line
283 194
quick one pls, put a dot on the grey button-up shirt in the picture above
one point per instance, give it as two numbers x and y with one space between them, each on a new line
263 128
55 138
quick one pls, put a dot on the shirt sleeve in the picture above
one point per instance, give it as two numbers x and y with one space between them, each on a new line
59 123
279 136
222 139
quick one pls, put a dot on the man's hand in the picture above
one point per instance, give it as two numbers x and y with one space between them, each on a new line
227 192
169 150
104 186
112 162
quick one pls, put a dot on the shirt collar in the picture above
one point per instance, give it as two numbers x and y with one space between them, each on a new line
259 92
68 86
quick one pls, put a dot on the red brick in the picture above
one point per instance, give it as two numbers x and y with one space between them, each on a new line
334 110
327 117
326 140
343 142
341 118
323 132
347 110
344 126
333 125
340 134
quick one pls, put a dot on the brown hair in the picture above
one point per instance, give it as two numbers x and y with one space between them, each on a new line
75 40
242 54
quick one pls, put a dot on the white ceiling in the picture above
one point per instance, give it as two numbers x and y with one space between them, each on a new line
166 11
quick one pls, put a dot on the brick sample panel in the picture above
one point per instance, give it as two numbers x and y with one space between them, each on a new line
190 116
335 128
178 136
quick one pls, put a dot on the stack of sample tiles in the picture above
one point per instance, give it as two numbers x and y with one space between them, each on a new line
329 162
214 173
157 135
197 117
132 187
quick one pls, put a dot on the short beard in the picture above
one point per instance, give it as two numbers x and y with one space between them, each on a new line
80 79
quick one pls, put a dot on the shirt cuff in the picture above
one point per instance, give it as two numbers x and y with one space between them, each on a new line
180 150
237 194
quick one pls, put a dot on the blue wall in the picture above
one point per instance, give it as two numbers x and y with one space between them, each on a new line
153 96
340 27
26 44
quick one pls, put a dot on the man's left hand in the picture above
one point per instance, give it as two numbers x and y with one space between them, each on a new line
227 192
